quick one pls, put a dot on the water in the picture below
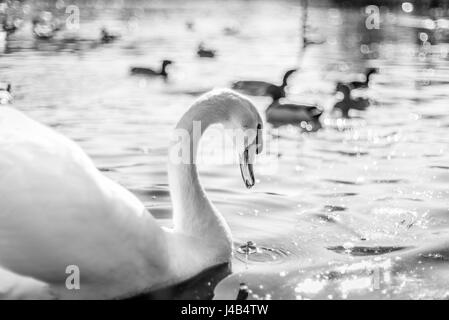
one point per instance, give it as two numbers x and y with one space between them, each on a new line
358 209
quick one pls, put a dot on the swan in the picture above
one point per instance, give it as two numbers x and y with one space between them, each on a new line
363 84
347 103
57 209
279 113
5 94
151 72
262 88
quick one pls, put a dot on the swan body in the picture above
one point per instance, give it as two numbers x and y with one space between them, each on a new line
348 103
58 210
150 72
262 88
292 113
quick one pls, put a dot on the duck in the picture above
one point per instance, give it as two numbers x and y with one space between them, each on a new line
231 30
5 94
190 25
310 42
202 52
306 115
60 214
150 72
363 84
108 37
262 88
347 102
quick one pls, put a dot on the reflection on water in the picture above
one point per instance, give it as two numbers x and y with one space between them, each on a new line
358 209
201 287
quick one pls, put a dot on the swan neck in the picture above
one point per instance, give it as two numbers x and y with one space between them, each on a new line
193 213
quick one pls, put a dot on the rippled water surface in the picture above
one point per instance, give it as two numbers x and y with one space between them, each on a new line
358 209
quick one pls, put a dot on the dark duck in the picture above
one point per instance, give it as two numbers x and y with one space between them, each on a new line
306 115
108 37
262 88
202 52
347 103
150 72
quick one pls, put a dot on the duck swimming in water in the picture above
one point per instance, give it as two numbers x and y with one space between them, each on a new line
190 25
280 113
61 211
150 72
202 52
262 88
347 103
108 37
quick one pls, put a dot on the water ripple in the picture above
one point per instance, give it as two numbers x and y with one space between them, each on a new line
365 251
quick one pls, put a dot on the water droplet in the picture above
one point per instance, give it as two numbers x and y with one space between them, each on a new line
247 248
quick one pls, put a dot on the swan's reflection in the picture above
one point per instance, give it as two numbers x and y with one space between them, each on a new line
200 287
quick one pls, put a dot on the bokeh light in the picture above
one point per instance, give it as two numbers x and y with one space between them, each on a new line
407 7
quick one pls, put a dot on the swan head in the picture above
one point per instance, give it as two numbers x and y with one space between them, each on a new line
238 113
248 155
245 119
166 62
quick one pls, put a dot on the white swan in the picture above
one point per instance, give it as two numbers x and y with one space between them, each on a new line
57 209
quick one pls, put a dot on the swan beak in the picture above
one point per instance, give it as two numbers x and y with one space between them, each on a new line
246 168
